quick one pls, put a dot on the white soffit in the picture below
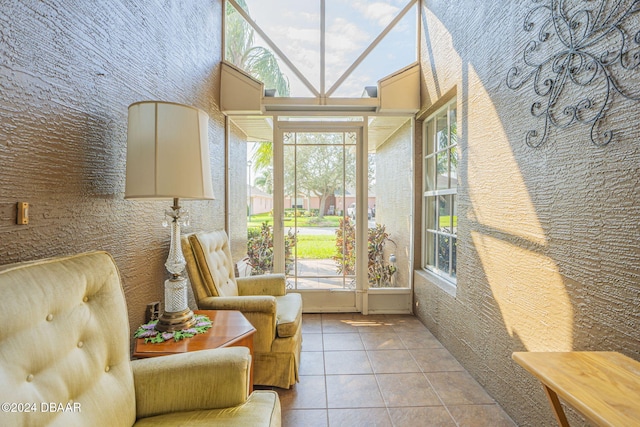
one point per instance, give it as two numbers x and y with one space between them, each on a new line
382 127
256 128
239 92
398 93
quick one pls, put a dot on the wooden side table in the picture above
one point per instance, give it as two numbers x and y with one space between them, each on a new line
604 386
229 329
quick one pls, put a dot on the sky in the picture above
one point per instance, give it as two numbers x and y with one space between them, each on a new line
351 25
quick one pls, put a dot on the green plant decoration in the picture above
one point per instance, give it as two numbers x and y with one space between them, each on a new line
151 335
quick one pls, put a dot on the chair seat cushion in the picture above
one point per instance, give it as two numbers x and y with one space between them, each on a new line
262 409
289 315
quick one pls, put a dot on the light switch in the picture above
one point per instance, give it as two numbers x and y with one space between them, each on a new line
23 213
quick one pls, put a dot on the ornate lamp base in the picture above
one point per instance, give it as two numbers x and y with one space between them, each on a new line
177 315
176 321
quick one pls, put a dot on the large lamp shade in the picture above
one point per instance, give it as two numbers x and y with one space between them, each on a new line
167 152
168 158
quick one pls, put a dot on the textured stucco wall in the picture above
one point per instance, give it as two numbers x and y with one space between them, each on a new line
238 193
549 243
393 200
68 72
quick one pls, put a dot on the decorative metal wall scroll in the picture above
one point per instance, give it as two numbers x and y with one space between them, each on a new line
583 53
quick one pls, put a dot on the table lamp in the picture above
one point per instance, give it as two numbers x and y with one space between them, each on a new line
168 158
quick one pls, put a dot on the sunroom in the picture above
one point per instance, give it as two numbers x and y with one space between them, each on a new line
443 184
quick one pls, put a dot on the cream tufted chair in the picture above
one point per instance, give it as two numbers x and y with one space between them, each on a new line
64 358
276 315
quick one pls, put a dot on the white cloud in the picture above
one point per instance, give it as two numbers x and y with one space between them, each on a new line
378 12
295 29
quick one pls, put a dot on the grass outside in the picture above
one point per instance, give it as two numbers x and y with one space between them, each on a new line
303 221
308 246
316 247
445 221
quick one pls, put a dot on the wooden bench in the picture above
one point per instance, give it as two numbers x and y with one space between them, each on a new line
603 386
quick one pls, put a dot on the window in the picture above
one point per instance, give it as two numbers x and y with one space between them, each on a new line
440 192
321 49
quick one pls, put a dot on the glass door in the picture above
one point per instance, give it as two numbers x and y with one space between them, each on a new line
318 211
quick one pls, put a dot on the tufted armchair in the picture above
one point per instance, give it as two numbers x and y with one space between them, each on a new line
64 358
276 315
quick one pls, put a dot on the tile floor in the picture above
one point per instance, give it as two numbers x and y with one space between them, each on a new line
382 370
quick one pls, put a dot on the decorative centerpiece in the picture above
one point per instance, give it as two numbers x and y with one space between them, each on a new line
150 334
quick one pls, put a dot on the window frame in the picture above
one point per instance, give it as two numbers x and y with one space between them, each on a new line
431 194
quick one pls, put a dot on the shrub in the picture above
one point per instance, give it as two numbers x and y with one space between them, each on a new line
380 272
260 249
345 247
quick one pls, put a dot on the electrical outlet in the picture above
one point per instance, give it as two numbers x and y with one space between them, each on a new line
23 213
152 312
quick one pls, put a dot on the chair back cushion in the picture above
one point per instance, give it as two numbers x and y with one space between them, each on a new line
213 260
64 343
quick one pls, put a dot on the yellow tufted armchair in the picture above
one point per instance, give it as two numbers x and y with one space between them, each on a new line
263 300
64 358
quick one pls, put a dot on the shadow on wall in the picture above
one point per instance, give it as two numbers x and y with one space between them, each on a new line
547 252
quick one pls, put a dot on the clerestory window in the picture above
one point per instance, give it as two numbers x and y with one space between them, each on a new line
321 48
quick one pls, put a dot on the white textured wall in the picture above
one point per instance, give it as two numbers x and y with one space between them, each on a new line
68 72
393 200
549 242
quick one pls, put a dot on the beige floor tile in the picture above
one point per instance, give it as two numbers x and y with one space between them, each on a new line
407 390
311 323
353 391
436 360
369 417
458 388
419 339
338 326
403 320
392 361
305 418
480 416
309 393
432 416
311 363
340 316
349 348
382 341
403 323
312 342
346 362
369 317
373 324
341 342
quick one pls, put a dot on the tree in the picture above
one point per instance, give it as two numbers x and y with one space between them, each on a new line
321 168
259 62
264 180
241 51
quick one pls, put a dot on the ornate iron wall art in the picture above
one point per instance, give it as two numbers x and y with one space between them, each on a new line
582 53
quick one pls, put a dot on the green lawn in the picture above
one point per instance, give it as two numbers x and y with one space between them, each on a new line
302 221
445 221
316 247
309 246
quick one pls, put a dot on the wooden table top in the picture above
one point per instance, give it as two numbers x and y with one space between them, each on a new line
228 327
603 386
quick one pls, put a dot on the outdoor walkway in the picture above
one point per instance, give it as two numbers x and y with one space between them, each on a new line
382 370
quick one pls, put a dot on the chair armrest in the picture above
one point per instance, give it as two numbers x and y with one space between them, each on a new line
261 304
266 284
206 379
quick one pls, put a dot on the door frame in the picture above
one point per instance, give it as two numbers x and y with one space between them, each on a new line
325 300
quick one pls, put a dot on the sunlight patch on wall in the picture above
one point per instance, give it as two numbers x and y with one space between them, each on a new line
497 190
530 292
